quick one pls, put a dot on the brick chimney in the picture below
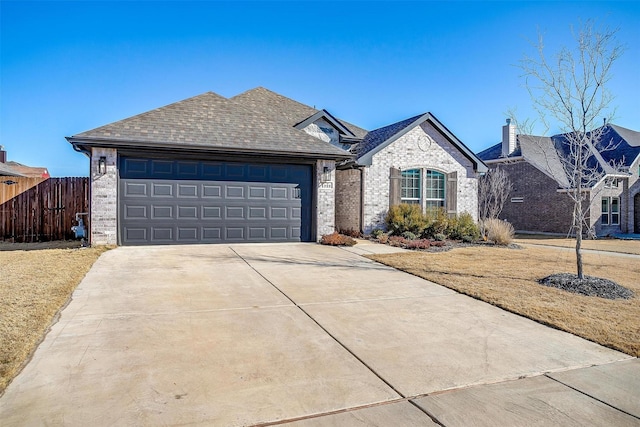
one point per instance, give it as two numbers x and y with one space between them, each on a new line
3 155
508 138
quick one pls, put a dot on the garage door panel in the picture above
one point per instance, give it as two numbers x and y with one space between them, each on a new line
154 210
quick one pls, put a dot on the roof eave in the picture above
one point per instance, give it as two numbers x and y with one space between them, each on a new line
84 144
324 114
478 165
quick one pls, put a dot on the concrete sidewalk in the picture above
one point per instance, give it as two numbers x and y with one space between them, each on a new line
303 334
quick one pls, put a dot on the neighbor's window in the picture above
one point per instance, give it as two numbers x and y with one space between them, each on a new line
605 211
434 189
610 211
411 188
615 211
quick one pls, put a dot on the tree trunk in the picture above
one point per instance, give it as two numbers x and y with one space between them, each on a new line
578 222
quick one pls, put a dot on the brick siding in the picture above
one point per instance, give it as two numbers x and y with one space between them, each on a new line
416 150
543 209
104 198
326 197
348 200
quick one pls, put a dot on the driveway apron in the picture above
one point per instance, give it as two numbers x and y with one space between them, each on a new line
257 334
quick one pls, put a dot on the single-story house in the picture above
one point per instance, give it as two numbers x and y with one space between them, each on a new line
10 168
260 167
538 201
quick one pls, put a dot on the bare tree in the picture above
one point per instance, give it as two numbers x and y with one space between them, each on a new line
570 90
493 190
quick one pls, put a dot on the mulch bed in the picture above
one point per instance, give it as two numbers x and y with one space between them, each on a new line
589 286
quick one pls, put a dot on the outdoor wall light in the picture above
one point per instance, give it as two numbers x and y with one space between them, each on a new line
102 165
326 174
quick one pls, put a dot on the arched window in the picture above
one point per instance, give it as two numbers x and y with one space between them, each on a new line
423 187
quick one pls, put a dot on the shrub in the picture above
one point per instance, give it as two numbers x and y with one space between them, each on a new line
398 241
350 232
383 238
419 244
405 217
437 222
463 227
498 231
337 239
409 235
377 232
438 244
440 237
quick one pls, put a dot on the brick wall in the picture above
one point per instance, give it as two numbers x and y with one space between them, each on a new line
104 198
348 199
542 207
422 147
325 201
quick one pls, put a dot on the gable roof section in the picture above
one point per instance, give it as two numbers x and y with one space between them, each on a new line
289 110
325 115
213 123
378 139
624 144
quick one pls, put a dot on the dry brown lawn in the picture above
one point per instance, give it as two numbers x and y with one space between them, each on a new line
508 278
609 245
34 286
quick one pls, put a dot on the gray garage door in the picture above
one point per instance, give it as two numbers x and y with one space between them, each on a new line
181 202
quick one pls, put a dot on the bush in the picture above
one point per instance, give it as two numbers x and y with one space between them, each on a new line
409 235
419 244
350 232
498 231
440 237
398 241
405 217
437 222
337 239
377 232
464 228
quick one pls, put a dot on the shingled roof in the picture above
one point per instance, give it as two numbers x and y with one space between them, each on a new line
616 144
377 139
214 123
289 110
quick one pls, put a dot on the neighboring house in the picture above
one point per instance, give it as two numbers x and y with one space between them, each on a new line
17 169
16 178
263 167
538 201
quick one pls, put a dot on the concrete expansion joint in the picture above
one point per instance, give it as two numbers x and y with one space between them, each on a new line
592 396
333 337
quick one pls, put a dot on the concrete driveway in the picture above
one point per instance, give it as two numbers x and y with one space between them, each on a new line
303 335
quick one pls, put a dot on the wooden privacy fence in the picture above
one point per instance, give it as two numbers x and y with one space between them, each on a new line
45 212
11 186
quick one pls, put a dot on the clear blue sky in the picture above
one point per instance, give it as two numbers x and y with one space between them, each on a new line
67 67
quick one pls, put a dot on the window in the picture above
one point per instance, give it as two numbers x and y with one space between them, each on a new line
423 187
605 211
434 188
411 188
610 211
615 211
